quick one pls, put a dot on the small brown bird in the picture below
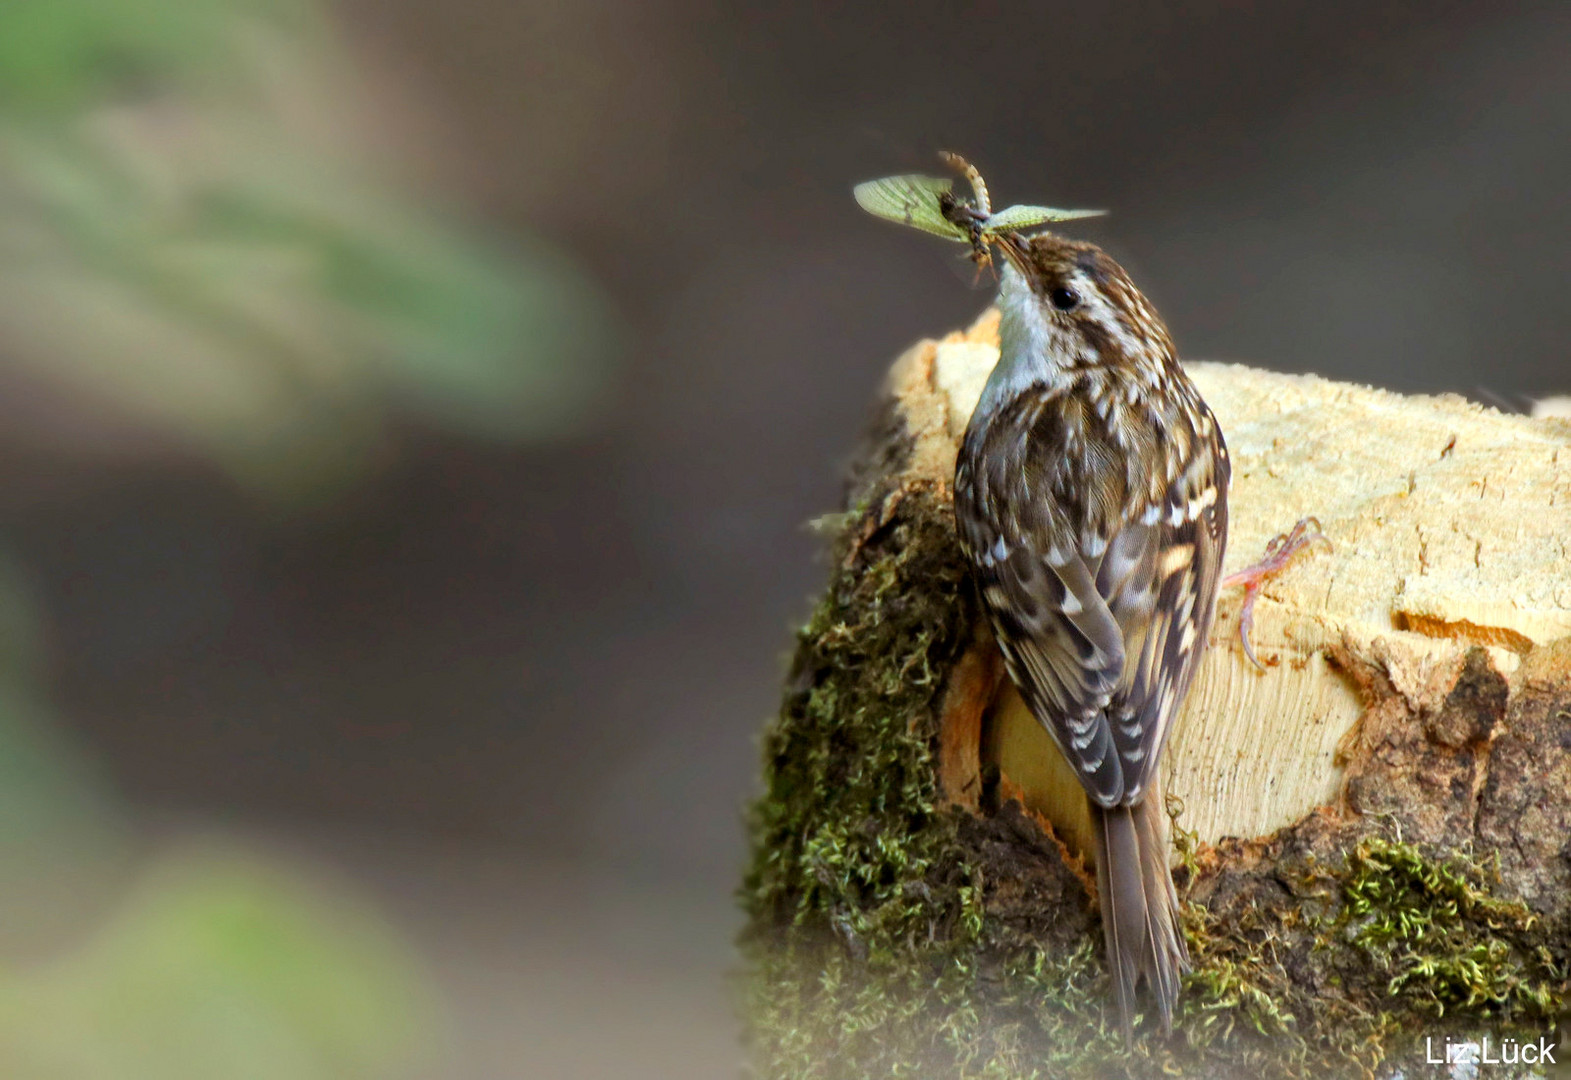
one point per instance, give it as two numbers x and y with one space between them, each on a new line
1091 498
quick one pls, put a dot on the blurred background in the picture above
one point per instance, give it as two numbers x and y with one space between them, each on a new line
409 413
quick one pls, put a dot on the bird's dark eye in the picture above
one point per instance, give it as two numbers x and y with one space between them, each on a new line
1063 298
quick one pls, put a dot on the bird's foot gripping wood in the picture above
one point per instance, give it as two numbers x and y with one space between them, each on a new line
1279 552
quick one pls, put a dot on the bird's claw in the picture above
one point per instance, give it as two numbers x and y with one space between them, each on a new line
1279 552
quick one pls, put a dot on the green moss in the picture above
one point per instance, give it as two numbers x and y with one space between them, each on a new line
872 950
1448 943
848 836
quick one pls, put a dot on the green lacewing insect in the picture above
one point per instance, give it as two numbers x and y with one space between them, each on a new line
929 203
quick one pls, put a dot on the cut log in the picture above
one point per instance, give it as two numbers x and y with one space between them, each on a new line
1448 525
1374 825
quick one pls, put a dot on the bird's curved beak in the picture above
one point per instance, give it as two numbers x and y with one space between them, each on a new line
1014 248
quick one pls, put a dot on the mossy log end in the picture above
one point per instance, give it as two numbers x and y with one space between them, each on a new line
1374 829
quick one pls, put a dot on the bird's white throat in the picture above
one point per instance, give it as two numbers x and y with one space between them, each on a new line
1032 349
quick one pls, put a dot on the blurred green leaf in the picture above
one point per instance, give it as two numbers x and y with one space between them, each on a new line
221 968
58 55
215 257
216 966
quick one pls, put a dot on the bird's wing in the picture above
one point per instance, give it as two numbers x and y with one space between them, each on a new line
1101 613
1064 650
1164 605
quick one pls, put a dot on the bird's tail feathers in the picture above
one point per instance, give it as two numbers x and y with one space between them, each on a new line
1139 905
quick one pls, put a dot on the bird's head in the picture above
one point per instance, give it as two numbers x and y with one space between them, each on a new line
1067 304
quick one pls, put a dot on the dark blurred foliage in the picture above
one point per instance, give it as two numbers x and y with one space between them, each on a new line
201 259
341 513
197 235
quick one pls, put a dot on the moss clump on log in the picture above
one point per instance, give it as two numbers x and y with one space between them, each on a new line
894 931
850 836
874 924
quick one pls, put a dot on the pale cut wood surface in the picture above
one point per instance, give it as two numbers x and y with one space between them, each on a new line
1448 525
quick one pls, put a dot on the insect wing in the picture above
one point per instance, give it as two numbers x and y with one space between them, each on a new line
1015 218
909 200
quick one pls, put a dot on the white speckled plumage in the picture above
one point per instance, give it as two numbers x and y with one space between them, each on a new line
1091 493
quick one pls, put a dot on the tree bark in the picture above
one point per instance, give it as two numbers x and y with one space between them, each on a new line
1373 826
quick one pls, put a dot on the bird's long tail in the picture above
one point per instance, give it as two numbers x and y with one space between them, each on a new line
1139 904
